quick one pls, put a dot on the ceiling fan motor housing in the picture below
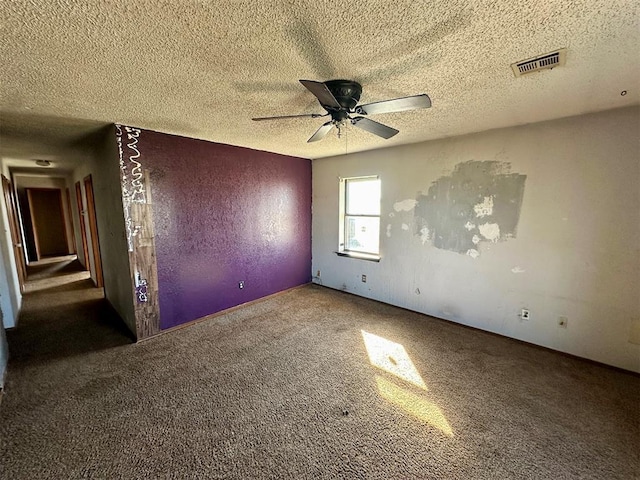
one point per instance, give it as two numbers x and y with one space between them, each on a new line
346 92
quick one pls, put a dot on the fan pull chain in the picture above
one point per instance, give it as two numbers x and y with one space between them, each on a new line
346 139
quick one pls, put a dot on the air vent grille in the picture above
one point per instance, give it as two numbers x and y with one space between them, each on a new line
541 62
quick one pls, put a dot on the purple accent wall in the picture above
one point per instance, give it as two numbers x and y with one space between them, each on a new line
222 215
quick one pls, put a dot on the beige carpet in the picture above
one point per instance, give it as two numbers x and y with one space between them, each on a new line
312 383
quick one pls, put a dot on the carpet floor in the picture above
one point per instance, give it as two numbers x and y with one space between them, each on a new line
310 383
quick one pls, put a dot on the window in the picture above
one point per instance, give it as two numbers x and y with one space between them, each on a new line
360 217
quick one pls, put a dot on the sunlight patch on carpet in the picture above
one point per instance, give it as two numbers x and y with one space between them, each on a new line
392 358
415 405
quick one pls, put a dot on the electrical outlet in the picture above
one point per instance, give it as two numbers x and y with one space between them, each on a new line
524 314
562 321
364 279
240 284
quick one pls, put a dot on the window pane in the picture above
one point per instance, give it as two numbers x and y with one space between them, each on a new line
363 196
362 234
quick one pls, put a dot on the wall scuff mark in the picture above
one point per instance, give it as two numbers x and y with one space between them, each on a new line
480 201
473 253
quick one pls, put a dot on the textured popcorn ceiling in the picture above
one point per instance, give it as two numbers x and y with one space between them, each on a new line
204 68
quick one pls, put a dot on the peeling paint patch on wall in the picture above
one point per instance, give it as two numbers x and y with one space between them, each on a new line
485 208
405 205
479 202
424 235
490 231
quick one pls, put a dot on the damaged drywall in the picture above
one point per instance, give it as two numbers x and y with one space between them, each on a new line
479 202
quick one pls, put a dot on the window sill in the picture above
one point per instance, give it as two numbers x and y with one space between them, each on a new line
360 256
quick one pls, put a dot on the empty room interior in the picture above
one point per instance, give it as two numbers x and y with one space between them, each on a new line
295 239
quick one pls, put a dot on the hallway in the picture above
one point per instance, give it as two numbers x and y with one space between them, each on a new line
63 315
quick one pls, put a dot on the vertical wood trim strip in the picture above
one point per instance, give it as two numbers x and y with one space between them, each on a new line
138 217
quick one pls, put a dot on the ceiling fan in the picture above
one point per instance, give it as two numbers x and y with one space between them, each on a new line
340 99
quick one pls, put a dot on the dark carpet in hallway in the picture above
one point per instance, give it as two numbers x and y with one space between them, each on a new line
311 383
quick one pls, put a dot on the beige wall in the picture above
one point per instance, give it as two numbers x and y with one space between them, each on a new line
574 254
103 165
4 352
4 347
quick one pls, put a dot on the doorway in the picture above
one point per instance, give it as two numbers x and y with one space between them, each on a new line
46 209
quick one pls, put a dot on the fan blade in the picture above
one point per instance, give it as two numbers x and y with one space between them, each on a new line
374 127
395 105
311 115
321 92
321 132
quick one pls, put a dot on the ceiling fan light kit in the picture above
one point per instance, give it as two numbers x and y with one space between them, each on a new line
340 100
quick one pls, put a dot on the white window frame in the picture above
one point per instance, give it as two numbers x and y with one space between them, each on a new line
345 252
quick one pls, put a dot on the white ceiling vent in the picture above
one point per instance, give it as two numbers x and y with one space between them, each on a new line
541 62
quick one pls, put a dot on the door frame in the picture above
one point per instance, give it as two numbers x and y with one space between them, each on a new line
69 214
16 239
83 228
93 229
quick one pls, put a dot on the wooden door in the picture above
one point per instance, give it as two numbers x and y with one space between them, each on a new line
83 227
46 207
93 229
12 215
